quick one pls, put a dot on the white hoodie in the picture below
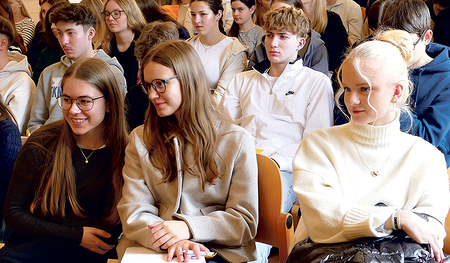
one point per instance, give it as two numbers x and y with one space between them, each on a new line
17 89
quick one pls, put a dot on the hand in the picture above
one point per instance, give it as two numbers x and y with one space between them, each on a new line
175 250
418 229
91 242
167 233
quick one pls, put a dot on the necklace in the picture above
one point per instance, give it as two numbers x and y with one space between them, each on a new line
208 47
86 158
373 172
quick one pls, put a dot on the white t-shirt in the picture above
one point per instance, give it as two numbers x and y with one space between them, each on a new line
210 56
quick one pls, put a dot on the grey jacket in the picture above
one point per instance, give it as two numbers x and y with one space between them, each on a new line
315 56
45 109
223 217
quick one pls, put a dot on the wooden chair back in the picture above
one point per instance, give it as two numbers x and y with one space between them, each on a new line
274 228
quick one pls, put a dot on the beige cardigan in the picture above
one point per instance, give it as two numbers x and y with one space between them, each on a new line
223 217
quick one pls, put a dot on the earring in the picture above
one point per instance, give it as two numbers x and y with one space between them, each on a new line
394 106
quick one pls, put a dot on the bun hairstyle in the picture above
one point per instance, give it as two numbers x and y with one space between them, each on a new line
388 54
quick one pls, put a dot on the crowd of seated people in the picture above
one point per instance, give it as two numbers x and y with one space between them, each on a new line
135 123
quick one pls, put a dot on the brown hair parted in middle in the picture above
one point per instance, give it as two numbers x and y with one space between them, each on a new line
195 125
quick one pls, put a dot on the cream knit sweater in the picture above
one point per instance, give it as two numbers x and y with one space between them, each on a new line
338 195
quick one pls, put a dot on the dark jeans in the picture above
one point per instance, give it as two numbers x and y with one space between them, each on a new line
49 250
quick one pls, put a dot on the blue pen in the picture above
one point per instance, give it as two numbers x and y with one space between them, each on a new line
202 253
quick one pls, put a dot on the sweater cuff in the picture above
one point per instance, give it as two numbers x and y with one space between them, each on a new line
363 221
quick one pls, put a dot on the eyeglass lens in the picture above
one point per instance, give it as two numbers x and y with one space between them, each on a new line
84 103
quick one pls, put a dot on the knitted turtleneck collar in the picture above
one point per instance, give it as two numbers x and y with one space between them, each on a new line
375 136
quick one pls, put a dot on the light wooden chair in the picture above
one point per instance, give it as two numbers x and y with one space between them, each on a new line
1 245
447 228
274 228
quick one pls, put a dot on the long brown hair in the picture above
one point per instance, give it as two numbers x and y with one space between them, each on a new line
57 184
196 122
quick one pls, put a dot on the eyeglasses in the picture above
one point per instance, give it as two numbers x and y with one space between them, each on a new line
115 14
418 40
84 103
159 85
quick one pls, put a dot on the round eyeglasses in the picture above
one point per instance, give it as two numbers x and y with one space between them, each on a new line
115 14
84 103
159 85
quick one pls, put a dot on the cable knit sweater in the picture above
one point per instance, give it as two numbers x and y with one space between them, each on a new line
340 199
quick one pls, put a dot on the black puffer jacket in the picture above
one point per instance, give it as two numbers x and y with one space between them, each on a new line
392 249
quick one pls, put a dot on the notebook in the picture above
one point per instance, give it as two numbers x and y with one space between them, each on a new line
146 255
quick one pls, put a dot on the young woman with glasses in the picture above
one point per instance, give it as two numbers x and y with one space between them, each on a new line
67 179
190 176
125 22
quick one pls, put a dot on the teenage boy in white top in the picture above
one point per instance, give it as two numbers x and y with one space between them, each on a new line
280 101
74 25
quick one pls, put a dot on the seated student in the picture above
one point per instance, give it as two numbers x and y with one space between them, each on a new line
190 175
374 17
222 57
351 15
17 89
136 100
153 12
75 28
52 52
243 27
124 21
6 12
366 185
23 22
67 179
10 144
331 29
313 53
281 101
430 75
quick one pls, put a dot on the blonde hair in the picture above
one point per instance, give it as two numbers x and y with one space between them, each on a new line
319 19
289 19
23 9
135 20
96 6
389 55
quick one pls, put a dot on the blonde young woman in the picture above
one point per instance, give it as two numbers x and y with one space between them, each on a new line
222 57
367 190
190 176
24 24
125 22
331 29
67 179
